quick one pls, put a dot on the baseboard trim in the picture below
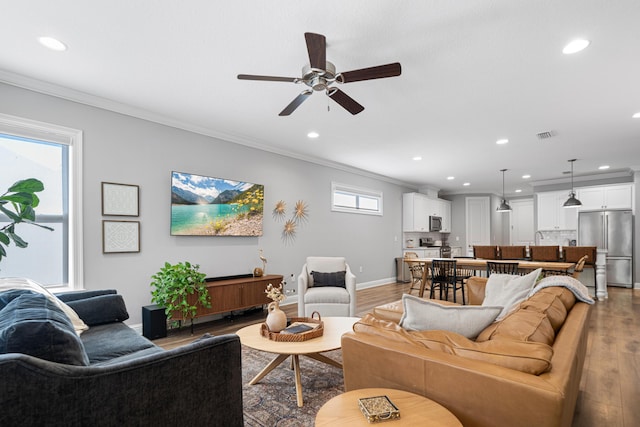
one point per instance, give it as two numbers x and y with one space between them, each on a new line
376 283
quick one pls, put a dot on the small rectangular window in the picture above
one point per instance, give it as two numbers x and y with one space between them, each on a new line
345 198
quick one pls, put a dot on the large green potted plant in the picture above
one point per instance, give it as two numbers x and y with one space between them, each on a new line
18 203
173 286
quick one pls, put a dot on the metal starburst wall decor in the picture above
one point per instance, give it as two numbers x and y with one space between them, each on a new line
299 215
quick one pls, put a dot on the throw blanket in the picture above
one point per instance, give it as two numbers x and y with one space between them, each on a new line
10 283
579 290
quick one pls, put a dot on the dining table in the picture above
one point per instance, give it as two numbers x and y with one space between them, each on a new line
481 264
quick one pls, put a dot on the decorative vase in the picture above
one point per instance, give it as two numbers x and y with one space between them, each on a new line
276 319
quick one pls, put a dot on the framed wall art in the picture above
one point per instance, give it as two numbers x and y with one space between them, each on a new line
120 236
208 206
120 199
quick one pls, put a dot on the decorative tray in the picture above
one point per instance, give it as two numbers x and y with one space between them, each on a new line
316 324
378 408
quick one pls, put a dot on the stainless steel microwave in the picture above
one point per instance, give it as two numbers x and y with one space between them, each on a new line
435 223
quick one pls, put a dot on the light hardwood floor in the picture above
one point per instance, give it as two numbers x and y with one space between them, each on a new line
610 385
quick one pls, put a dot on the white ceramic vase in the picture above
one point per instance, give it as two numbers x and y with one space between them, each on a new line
276 319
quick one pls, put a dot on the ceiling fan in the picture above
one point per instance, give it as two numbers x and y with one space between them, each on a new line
320 74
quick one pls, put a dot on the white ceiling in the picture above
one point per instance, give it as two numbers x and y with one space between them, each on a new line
472 72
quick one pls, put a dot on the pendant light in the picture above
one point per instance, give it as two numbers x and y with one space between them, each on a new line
504 206
572 202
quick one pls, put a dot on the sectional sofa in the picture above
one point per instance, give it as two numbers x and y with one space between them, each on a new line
523 370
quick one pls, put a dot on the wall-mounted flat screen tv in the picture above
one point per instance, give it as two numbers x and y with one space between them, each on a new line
206 206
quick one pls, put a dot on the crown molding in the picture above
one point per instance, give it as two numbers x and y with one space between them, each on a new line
73 95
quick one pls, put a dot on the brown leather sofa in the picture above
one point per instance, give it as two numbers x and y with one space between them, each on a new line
524 370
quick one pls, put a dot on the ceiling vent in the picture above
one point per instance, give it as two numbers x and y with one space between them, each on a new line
546 135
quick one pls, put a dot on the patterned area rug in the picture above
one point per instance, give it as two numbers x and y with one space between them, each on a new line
272 401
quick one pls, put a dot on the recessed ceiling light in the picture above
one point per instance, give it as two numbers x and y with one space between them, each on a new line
466 184
518 191
575 46
526 176
636 116
502 141
416 158
53 44
603 167
451 178
313 135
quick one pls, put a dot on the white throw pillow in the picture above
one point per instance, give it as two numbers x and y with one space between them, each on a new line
508 290
424 315
28 284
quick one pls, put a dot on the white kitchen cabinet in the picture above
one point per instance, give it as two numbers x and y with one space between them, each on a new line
606 197
551 213
417 251
445 213
417 208
432 253
414 212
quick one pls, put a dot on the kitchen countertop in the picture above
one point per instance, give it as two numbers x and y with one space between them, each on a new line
430 247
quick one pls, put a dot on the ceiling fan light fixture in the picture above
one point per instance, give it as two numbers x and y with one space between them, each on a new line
572 201
504 206
321 74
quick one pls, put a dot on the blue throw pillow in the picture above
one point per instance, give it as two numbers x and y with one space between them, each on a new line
336 278
32 324
100 309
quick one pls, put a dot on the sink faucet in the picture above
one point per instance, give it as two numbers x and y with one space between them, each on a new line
541 236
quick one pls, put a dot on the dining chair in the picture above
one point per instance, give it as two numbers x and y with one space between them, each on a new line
444 278
416 269
575 273
464 273
502 268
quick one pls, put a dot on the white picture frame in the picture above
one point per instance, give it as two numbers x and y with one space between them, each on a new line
120 236
120 199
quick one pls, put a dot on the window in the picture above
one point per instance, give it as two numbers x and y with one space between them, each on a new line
345 198
52 154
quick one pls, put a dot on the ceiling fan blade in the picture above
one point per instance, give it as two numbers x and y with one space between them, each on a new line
295 103
267 78
379 72
345 101
317 48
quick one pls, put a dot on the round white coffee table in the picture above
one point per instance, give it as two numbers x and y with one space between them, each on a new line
334 328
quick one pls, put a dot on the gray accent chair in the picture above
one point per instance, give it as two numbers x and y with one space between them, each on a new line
329 301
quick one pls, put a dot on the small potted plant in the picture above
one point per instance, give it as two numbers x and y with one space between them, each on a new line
174 286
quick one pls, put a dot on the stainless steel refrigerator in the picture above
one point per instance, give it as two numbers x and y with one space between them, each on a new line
613 231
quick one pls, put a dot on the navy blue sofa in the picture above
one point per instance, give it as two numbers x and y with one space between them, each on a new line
110 375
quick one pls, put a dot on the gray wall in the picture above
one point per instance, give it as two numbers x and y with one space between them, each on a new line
123 149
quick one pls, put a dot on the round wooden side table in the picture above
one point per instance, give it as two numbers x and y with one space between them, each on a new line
414 410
